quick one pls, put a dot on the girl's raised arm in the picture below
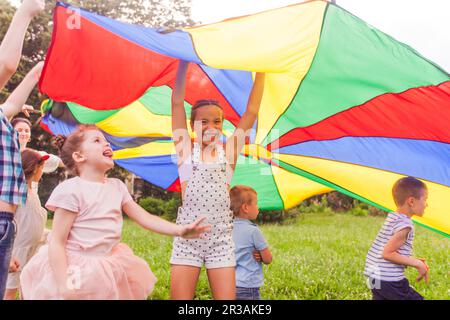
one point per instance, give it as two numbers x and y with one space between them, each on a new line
180 132
237 140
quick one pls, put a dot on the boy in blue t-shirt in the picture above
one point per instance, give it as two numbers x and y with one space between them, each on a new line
251 248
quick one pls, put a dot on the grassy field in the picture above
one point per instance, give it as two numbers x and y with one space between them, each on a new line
316 256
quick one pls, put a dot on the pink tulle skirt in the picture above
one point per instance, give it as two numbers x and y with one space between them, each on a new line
119 275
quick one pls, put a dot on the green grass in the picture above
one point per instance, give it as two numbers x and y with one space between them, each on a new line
316 256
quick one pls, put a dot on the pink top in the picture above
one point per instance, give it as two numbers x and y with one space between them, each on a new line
98 225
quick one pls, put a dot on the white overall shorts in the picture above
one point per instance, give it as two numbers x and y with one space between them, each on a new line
207 195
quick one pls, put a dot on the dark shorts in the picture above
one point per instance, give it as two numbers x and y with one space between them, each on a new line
395 290
7 235
247 293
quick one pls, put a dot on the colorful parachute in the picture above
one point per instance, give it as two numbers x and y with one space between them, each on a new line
346 107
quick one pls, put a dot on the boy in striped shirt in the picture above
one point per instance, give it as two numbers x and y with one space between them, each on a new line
390 253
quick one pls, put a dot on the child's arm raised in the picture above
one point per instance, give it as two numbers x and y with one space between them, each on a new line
62 224
11 46
180 132
390 253
16 100
254 102
159 225
237 140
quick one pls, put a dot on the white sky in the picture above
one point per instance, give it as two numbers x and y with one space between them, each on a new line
424 25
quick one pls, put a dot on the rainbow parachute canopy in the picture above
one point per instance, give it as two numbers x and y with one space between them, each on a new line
346 107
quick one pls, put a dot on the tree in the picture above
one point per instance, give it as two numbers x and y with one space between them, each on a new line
154 13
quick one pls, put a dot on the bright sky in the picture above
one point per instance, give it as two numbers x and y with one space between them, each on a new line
424 25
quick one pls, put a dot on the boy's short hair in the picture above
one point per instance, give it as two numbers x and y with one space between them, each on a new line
238 196
407 187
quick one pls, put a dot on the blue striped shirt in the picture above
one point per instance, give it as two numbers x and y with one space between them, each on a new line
379 268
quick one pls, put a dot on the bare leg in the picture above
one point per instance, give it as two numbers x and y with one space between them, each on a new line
183 280
10 294
223 283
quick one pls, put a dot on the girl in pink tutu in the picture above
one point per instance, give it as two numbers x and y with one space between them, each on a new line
84 258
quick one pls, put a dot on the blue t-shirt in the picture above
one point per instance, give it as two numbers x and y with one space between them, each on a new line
247 238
